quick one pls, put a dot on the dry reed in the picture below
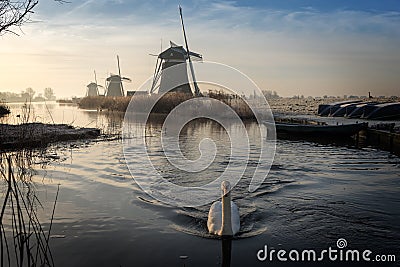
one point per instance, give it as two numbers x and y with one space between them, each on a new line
165 104
23 239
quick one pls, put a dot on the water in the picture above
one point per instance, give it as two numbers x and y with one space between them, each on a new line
314 195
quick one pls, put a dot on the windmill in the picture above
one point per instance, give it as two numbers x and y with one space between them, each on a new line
114 83
167 79
93 87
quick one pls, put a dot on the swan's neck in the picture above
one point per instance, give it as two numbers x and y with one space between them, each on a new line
226 215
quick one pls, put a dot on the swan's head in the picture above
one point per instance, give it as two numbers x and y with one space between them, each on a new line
225 187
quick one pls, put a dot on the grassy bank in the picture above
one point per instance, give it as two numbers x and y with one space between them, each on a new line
164 105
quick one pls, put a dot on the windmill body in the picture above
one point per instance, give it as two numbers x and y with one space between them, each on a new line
114 83
114 86
92 89
171 70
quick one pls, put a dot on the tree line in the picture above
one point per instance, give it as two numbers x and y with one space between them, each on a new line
28 95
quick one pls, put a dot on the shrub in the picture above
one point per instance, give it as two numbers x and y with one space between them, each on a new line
4 110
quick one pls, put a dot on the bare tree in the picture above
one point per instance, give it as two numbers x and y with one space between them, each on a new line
49 93
30 92
14 13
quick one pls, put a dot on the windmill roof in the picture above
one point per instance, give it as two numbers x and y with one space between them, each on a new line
92 84
176 52
114 77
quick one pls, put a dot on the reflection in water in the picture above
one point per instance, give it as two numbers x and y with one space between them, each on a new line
24 240
192 135
226 243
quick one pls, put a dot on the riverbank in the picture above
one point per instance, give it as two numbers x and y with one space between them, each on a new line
309 105
29 135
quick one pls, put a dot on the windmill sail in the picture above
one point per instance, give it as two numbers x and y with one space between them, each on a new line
196 87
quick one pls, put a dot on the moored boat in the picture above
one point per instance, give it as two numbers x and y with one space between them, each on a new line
361 109
320 131
329 109
344 109
385 111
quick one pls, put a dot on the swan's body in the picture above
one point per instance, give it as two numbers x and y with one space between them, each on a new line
223 217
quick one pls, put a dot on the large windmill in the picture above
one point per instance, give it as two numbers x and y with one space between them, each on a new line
93 87
114 83
175 79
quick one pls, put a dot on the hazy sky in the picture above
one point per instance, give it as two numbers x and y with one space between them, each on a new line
292 46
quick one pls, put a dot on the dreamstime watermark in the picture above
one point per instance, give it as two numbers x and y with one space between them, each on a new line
139 146
338 253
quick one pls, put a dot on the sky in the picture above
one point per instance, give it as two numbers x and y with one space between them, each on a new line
295 47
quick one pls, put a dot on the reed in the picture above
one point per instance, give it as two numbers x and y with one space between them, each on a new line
237 103
23 238
105 103
165 104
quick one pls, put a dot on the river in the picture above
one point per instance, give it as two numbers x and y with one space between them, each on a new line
314 195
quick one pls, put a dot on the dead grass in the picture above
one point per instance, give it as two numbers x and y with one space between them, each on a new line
165 104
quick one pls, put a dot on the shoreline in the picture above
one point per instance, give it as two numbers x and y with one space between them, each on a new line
33 135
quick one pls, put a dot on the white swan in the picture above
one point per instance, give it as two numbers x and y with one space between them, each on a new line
223 217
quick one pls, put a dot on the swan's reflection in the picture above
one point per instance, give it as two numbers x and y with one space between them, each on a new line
226 251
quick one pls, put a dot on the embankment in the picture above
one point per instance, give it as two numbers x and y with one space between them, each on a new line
29 135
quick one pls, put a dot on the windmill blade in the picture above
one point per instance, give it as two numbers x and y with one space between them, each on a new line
196 87
119 74
97 86
119 69
197 59
95 77
195 54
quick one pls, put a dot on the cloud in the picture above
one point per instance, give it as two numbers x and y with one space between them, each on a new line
305 49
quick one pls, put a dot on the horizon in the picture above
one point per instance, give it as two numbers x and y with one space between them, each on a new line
309 48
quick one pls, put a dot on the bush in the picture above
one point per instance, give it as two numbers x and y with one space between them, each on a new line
4 110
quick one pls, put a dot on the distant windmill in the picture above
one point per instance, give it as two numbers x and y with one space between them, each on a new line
175 79
114 83
93 87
